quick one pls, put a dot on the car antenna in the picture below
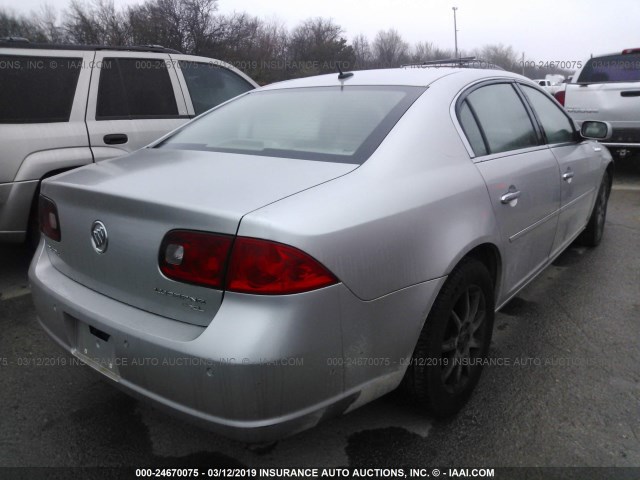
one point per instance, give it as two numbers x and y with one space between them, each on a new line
342 75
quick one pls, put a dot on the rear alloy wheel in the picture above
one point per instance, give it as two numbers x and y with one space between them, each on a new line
592 235
454 342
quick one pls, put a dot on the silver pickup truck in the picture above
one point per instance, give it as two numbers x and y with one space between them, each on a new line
607 88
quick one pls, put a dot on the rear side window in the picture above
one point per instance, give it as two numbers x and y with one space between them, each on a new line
210 85
37 89
557 127
611 68
471 130
503 118
135 88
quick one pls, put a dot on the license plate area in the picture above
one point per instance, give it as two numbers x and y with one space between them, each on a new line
96 348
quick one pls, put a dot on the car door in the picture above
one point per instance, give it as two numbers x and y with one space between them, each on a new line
134 98
580 166
521 175
207 82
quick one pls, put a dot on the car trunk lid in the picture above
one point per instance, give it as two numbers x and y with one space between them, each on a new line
141 197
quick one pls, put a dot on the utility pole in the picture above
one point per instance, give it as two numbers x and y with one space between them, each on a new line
455 30
523 64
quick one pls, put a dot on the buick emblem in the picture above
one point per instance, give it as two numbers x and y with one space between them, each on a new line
99 238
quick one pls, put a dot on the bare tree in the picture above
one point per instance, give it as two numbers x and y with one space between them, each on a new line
500 55
266 50
96 23
47 20
389 49
271 52
12 25
235 35
81 24
198 23
185 25
115 28
422 52
318 46
274 39
362 51
157 22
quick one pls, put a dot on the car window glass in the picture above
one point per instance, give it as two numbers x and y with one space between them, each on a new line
557 127
471 130
503 118
332 124
611 68
37 89
210 85
112 99
135 88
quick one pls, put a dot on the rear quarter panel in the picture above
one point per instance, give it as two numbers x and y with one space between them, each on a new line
407 215
38 144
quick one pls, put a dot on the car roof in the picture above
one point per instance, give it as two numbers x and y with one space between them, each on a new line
418 76
13 42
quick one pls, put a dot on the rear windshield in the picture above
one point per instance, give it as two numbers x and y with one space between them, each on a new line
334 124
612 68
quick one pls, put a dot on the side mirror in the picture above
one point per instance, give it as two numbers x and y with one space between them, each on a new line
596 130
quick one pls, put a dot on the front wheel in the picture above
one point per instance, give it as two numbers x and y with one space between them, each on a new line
454 342
592 235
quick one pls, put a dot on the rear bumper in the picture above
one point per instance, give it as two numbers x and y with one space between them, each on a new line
624 137
15 205
264 368
622 145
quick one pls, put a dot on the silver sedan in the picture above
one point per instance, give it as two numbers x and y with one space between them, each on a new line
312 245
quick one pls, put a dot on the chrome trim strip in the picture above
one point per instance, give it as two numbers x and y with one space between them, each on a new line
516 236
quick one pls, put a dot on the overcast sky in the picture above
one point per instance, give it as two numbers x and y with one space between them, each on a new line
545 30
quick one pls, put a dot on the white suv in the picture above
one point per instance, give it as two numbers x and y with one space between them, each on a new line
62 107
607 88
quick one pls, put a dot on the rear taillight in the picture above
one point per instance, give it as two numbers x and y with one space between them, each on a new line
560 94
195 257
254 266
264 267
48 217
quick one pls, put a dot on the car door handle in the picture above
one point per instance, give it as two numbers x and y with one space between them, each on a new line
510 196
630 93
115 138
567 176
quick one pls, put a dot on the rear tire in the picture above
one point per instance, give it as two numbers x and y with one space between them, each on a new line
454 342
592 235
